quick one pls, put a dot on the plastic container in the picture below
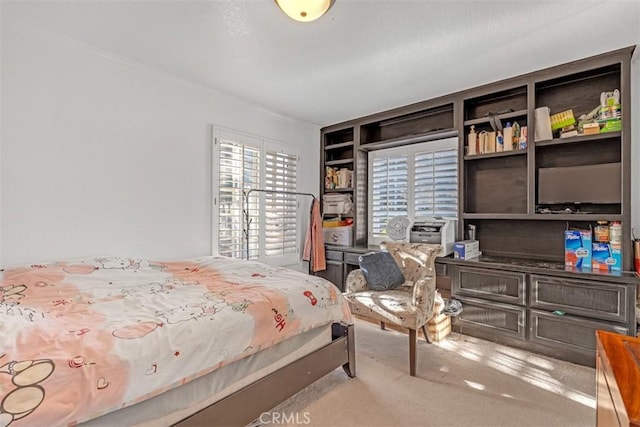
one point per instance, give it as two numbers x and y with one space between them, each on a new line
601 232
615 232
342 236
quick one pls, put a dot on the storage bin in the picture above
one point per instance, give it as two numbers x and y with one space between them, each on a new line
342 236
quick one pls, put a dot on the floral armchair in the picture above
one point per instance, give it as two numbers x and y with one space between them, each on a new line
412 304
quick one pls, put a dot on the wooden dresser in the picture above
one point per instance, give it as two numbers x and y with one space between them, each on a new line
618 380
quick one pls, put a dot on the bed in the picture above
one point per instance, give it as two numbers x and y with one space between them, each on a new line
201 341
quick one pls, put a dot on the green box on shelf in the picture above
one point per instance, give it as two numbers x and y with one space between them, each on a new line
562 120
612 126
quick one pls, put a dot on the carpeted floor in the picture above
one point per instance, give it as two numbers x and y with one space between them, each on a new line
461 381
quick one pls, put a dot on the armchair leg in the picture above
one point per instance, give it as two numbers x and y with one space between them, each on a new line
413 338
427 337
382 325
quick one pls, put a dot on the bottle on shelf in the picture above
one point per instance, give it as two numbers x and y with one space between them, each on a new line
522 143
507 135
472 141
499 142
601 232
615 232
515 141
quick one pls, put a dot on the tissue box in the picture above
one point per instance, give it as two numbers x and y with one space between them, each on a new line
606 256
466 249
577 248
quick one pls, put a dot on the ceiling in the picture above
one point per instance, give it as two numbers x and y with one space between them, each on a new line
360 58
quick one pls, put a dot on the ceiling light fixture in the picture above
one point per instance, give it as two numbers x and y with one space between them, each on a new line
305 10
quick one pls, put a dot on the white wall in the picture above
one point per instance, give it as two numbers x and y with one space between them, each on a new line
103 156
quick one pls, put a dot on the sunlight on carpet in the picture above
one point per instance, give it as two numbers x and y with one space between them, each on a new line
460 381
518 363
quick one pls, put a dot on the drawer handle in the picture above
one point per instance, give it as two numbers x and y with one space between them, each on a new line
558 313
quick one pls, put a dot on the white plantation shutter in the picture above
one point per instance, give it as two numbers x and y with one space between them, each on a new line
248 163
416 180
436 183
281 230
389 183
239 169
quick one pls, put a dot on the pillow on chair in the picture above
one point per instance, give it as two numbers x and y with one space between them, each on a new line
381 271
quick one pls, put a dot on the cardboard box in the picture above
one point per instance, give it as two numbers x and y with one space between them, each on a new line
590 128
577 248
466 249
606 256
439 327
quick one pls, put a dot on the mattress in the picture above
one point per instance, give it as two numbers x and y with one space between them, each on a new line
178 403
86 337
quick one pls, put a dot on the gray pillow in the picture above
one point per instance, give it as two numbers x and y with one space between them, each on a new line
381 271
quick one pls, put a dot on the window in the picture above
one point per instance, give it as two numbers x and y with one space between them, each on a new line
281 231
243 163
418 180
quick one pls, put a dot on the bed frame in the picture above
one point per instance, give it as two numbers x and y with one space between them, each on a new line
246 405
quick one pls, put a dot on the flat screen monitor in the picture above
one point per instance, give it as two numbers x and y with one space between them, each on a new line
580 184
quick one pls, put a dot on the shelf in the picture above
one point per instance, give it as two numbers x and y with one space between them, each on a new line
340 145
502 116
338 137
577 217
412 139
578 139
444 109
338 162
545 217
521 216
338 190
497 154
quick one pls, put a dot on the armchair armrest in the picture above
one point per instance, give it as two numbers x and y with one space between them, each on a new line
355 282
424 296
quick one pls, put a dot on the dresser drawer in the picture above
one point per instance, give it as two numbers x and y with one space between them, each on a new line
598 300
500 319
351 258
568 332
502 286
333 255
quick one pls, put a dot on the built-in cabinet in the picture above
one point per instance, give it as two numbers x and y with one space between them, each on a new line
519 291
345 145
547 310
503 194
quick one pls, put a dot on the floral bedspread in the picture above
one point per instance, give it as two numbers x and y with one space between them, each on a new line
85 337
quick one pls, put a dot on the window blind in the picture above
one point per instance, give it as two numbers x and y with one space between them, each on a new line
389 183
416 180
436 183
281 230
239 170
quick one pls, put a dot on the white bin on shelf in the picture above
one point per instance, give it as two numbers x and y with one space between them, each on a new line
342 236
